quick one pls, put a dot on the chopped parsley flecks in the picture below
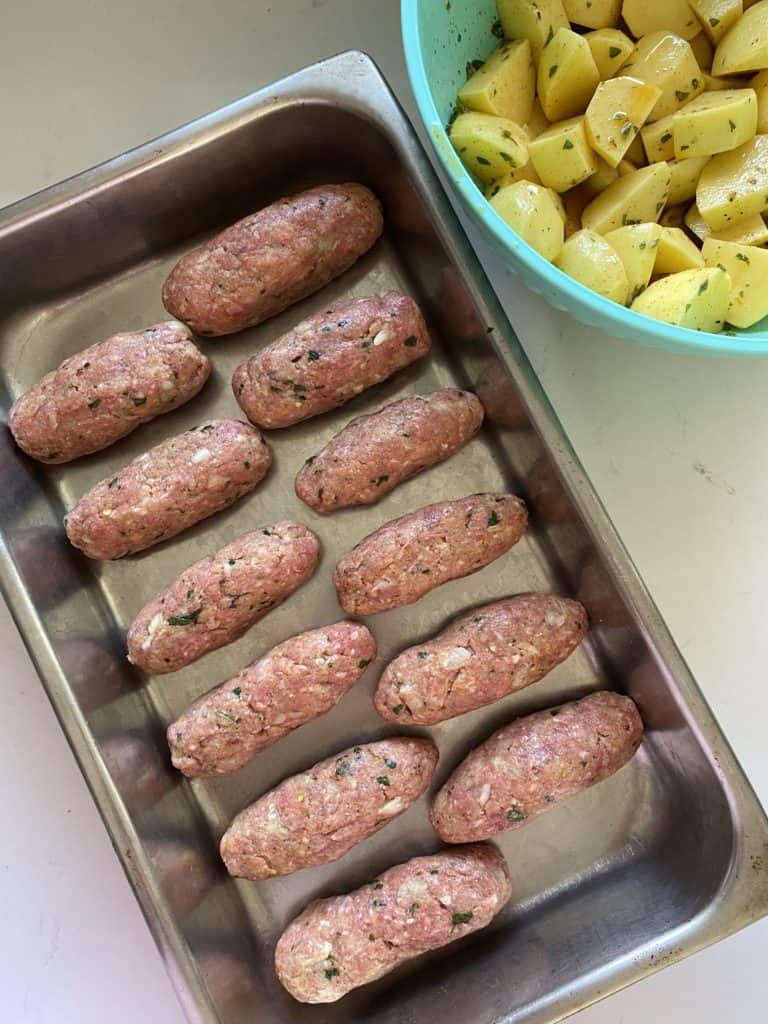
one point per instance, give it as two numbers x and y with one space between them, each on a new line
462 918
187 619
514 814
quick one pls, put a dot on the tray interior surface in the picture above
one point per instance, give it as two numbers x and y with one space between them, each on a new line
598 880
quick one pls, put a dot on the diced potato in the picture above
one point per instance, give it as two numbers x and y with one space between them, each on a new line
562 157
676 252
644 16
760 84
505 85
748 270
717 16
488 146
567 75
536 20
633 199
734 185
702 50
673 217
658 140
685 177
745 48
666 61
537 122
712 84
636 247
715 123
615 114
692 298
533 212
611 49
526 173
604 176
589 258
593 13
636 152
573 205
749 231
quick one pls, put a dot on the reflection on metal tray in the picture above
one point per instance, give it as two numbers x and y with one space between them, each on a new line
668 855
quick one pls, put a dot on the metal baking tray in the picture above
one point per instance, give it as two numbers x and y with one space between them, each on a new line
668 855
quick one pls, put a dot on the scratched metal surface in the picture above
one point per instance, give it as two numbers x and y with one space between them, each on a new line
657 861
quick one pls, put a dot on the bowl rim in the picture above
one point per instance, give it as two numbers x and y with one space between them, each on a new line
629 325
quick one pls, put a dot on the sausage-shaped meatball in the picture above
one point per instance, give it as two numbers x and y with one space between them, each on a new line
105 392
329 358
340 943
214 601
171 487
533 763
267 261
375 453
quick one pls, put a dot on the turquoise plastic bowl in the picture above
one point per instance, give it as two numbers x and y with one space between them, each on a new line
440 37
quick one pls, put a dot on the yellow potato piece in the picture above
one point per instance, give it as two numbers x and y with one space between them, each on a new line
685 178
717 16
616 113
751 230
748 270
692 298
636 247
734 185
537 122
745 47
587 257
658 140
666 61
567 75
505 85
604 176
644 16
526 173
611 49
676 252
760 84
702 50
536 20
534 213
562 157
488 146
715 123
593 13
633 199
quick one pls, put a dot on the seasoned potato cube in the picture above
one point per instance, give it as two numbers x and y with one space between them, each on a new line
717 17
505 85
750 230
593 13
636 247
633 199
715 123
537 122
666 61
536 20
644 16
562 156
589 258
702 50
734 185
745 48
615 114
567 75
534 213
673 217
604 176
760 84
676 252
748 270
685 177
611 49
692 298
573 206
658 140
489 147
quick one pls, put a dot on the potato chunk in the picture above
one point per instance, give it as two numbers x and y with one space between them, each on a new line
676 252
535 20
644 16
593 13
745 47
505 85
616 113
534 213
666 61
717 17
658 140
748 270
636 247
635 198
567 75
715 123
589 258
562 157
750 230
611 49
734 185
692 298
488 146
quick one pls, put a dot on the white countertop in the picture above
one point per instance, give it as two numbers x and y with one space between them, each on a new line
674 445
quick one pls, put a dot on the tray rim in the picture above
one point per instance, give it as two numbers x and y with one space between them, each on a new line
353 79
